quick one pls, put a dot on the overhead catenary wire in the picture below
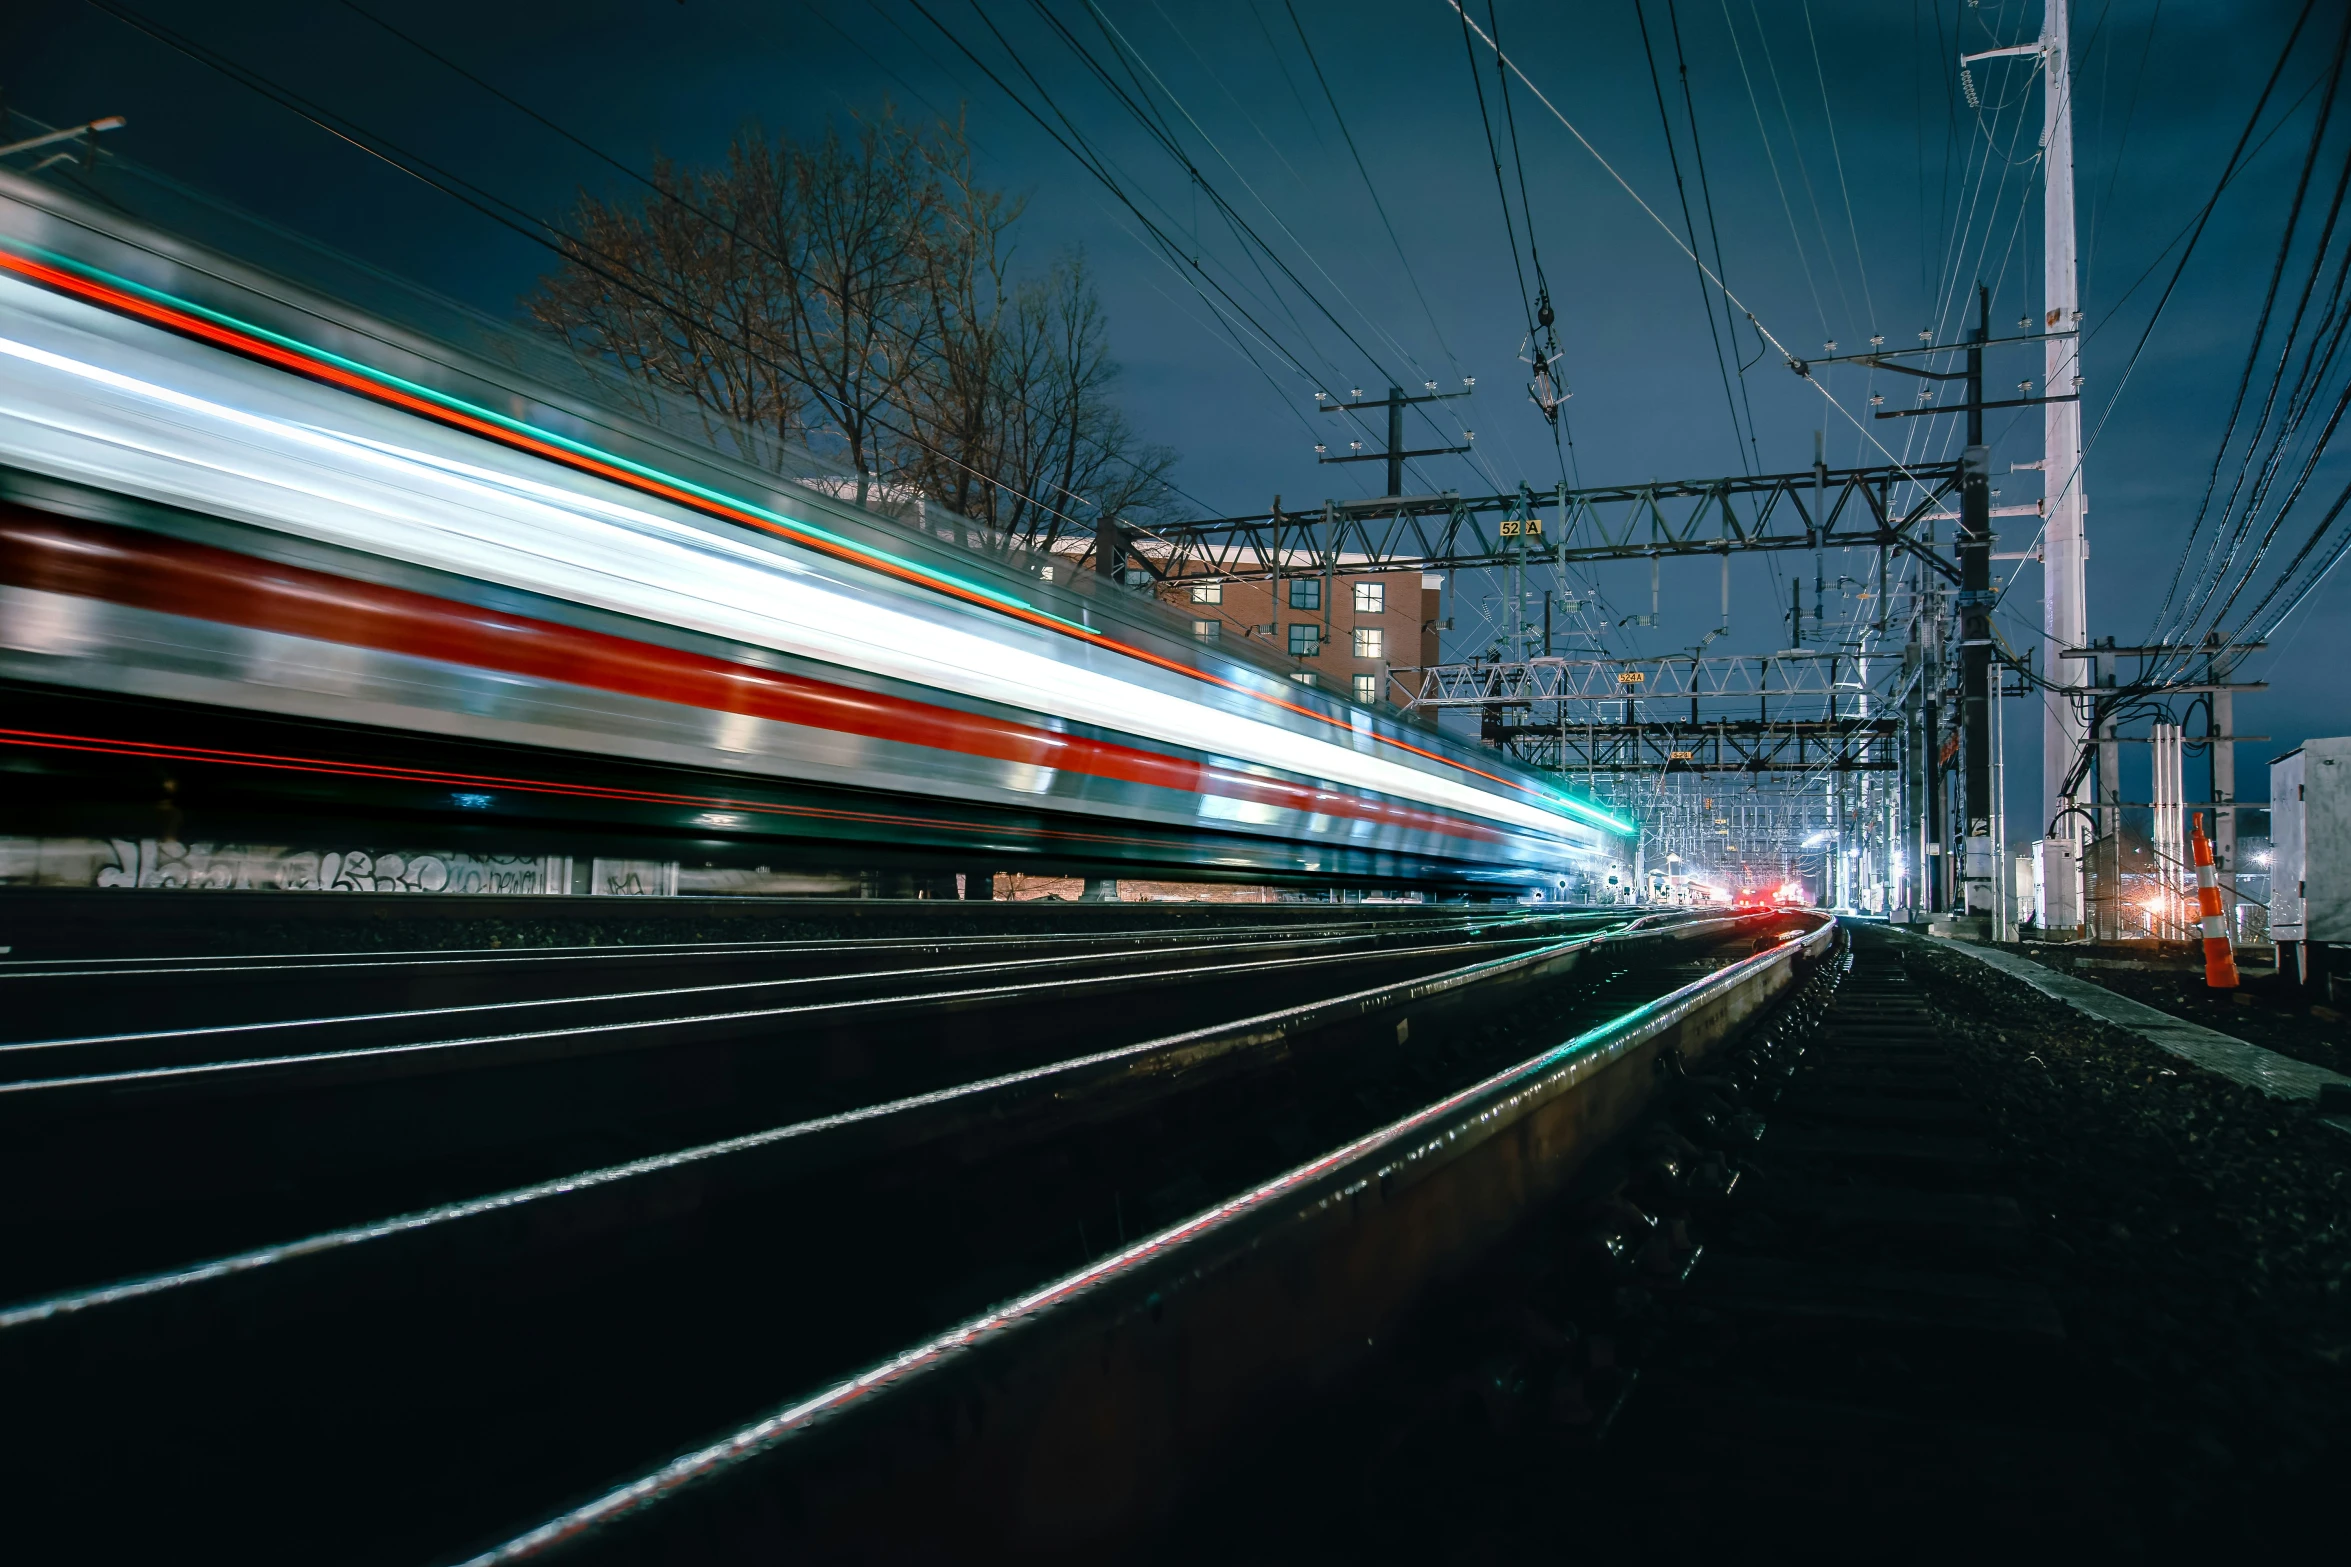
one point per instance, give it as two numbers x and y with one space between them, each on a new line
1207 187
1121 44
1494 159
1771 161
1238 321
2241 157
1546 315
664 192
1705 294
1706 201
2105 199
1796 152
1371 188
1145 115
2222 529
1666 228
1071 141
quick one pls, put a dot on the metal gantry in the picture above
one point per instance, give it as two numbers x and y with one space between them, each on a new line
1746 771
1796 672
1892 507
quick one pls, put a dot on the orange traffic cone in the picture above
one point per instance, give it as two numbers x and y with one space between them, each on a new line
2220 954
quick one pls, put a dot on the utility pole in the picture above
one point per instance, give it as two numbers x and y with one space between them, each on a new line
2064 543
1978 809
2108 872
1395 403
1975 629
2064 548
2222 722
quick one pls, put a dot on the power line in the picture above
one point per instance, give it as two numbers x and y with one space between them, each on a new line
1164 135
1675 239
1074 141
1771 159
537 230
1820 223
2196 233
1175 150
1372 189
1706 199
2319 128
1705 294
1547 372
1093 164
1494 155
1369 186
672 196
1837 153
2123 145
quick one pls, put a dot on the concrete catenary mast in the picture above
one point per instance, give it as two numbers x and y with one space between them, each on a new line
2064 545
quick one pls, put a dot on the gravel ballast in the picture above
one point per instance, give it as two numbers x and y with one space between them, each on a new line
2199 1237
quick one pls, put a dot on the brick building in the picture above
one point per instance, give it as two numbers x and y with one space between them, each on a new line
1349 630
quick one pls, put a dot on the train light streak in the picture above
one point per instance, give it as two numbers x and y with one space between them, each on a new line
362 490
62 276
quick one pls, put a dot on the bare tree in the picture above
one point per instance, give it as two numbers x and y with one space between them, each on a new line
1024 434
689 293
856 296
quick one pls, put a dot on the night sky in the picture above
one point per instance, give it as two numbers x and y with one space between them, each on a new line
1880 230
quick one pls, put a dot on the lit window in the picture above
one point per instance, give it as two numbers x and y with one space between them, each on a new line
1306 592
1367 689
1306 641
1370 642
1208 593
1371 598
1208 630
1304 677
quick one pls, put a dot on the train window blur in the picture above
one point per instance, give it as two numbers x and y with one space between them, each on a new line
1208 593
1208 630
1367 689
1305 640
1306 592
1304 677
1371 598
1370 642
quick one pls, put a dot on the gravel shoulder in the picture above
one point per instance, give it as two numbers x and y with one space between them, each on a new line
2199 1237
2292 1020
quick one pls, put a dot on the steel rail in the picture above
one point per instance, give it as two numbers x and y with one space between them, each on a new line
457 1265
1059 1082
571 1040
1144 1291
241 964
1197 955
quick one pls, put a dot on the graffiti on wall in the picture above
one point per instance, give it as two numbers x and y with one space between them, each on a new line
152 863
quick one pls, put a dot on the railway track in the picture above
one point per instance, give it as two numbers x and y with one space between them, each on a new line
1799 1312
468 1364
1868 1355
142 1147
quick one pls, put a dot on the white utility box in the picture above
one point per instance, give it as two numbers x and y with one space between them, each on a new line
2057 886
2310 843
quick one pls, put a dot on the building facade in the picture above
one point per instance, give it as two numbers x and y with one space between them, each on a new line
1350 631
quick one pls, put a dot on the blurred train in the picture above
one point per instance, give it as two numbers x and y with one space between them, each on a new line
267 559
